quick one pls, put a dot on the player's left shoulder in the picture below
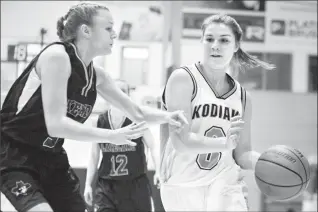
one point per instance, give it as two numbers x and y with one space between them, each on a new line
248 95
244 92
101 74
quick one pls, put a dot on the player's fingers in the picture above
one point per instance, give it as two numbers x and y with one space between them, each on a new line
134 136
88 199
139 130
234 130
235 118
176 129
182 117
173 122
233 141
234 138
137 125
131 143
131 126
238 123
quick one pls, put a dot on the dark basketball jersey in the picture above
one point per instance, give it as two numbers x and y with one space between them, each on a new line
22 116
121 162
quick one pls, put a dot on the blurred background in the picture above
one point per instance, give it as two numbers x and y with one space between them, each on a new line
157 36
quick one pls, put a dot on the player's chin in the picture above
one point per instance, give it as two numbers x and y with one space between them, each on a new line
107 51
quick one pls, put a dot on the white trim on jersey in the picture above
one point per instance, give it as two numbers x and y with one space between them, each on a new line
31 85
91 79
84 93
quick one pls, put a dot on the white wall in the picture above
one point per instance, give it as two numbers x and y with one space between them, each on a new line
34 15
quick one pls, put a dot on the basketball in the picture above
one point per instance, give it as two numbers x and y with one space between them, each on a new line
282 172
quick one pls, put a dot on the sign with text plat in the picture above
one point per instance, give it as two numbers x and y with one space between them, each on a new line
292 23
294 28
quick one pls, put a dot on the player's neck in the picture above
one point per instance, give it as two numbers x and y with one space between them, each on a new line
84 52
117 116
216 76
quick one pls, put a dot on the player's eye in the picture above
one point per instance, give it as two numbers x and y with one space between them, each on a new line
223 40
209 40
109 29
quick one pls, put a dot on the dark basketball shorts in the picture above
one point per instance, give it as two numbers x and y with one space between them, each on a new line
123 195
30 177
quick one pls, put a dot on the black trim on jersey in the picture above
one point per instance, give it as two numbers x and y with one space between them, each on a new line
194 92
224 96
163 99
195 85
243 100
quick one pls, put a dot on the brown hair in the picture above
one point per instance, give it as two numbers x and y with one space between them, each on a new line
240 58
77 15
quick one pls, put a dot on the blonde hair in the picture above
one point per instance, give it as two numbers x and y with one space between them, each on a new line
77 15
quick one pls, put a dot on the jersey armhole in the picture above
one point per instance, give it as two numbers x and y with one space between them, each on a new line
194 92
103 121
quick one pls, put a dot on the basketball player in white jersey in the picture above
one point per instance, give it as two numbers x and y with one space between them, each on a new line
201 163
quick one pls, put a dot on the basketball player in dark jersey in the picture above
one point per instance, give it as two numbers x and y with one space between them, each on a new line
50 100
122 183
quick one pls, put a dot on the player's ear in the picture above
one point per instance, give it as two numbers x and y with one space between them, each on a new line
85 30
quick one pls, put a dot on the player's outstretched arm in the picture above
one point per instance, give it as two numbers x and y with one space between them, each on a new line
54 69
243 153
111 93
178 96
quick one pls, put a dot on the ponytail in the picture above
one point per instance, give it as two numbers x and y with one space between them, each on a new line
60 28
244 59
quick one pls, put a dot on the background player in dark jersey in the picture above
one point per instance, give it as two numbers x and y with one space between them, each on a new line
122 183
50 100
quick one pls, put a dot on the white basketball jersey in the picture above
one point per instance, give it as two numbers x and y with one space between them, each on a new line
211 115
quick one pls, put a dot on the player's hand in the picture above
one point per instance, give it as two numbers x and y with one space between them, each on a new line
177 119
124 135
88 195
156 180
234 133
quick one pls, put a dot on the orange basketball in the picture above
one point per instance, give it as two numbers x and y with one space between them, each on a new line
282 172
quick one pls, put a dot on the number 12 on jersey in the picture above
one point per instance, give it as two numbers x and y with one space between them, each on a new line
210 160
119 163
